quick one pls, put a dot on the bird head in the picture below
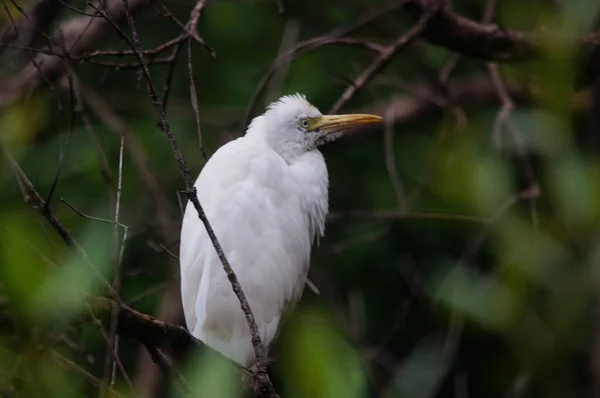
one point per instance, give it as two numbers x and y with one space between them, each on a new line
294 124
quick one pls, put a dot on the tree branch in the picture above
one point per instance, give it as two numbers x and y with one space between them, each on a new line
475 39
385 57
173 339
150 332
474 91
462 35
261 377
77 35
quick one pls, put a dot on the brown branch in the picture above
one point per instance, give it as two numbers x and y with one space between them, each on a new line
150 332
468 92
173 339
35 200
108 116
191 28
73 367
32 24
149 378
504 118
332 37
447 29
384 58
121 53
164 365
77 34
194 100
113 341
475 39
155 335
148 375
264 385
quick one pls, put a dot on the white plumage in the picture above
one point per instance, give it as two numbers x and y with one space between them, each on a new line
265 195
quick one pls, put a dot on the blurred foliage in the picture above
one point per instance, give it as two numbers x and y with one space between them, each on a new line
479 291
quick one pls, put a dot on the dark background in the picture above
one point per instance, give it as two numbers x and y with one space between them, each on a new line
461 254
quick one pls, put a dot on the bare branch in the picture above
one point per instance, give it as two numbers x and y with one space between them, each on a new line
194 100
471 92
174 339
78 34
33 198
113 340
261 376
333 37
465 36
504 119
384 58
475 39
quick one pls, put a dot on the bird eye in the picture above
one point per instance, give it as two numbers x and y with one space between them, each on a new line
304 123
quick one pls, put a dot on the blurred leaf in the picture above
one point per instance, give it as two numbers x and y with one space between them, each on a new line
24 257
491 184
480 298
579 15
211 375
53 380
420 374
64 292
542 132
8 360
317 362
454 171
529 252
21 121
574 195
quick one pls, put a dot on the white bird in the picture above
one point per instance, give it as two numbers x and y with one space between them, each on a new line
266 197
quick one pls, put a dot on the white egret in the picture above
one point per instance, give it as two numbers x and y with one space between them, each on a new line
266 197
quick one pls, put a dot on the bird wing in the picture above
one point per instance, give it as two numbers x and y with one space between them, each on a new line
251 199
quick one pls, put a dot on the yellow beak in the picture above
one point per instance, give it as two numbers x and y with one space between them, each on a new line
330 124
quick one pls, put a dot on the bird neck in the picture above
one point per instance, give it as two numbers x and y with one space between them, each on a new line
289 150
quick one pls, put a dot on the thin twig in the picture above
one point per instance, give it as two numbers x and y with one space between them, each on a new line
34 199
332 37
81 214
170 74
261 375
72 366
63 152
192 26
111 359
194 99
385 57
85 119
113 339
504 119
